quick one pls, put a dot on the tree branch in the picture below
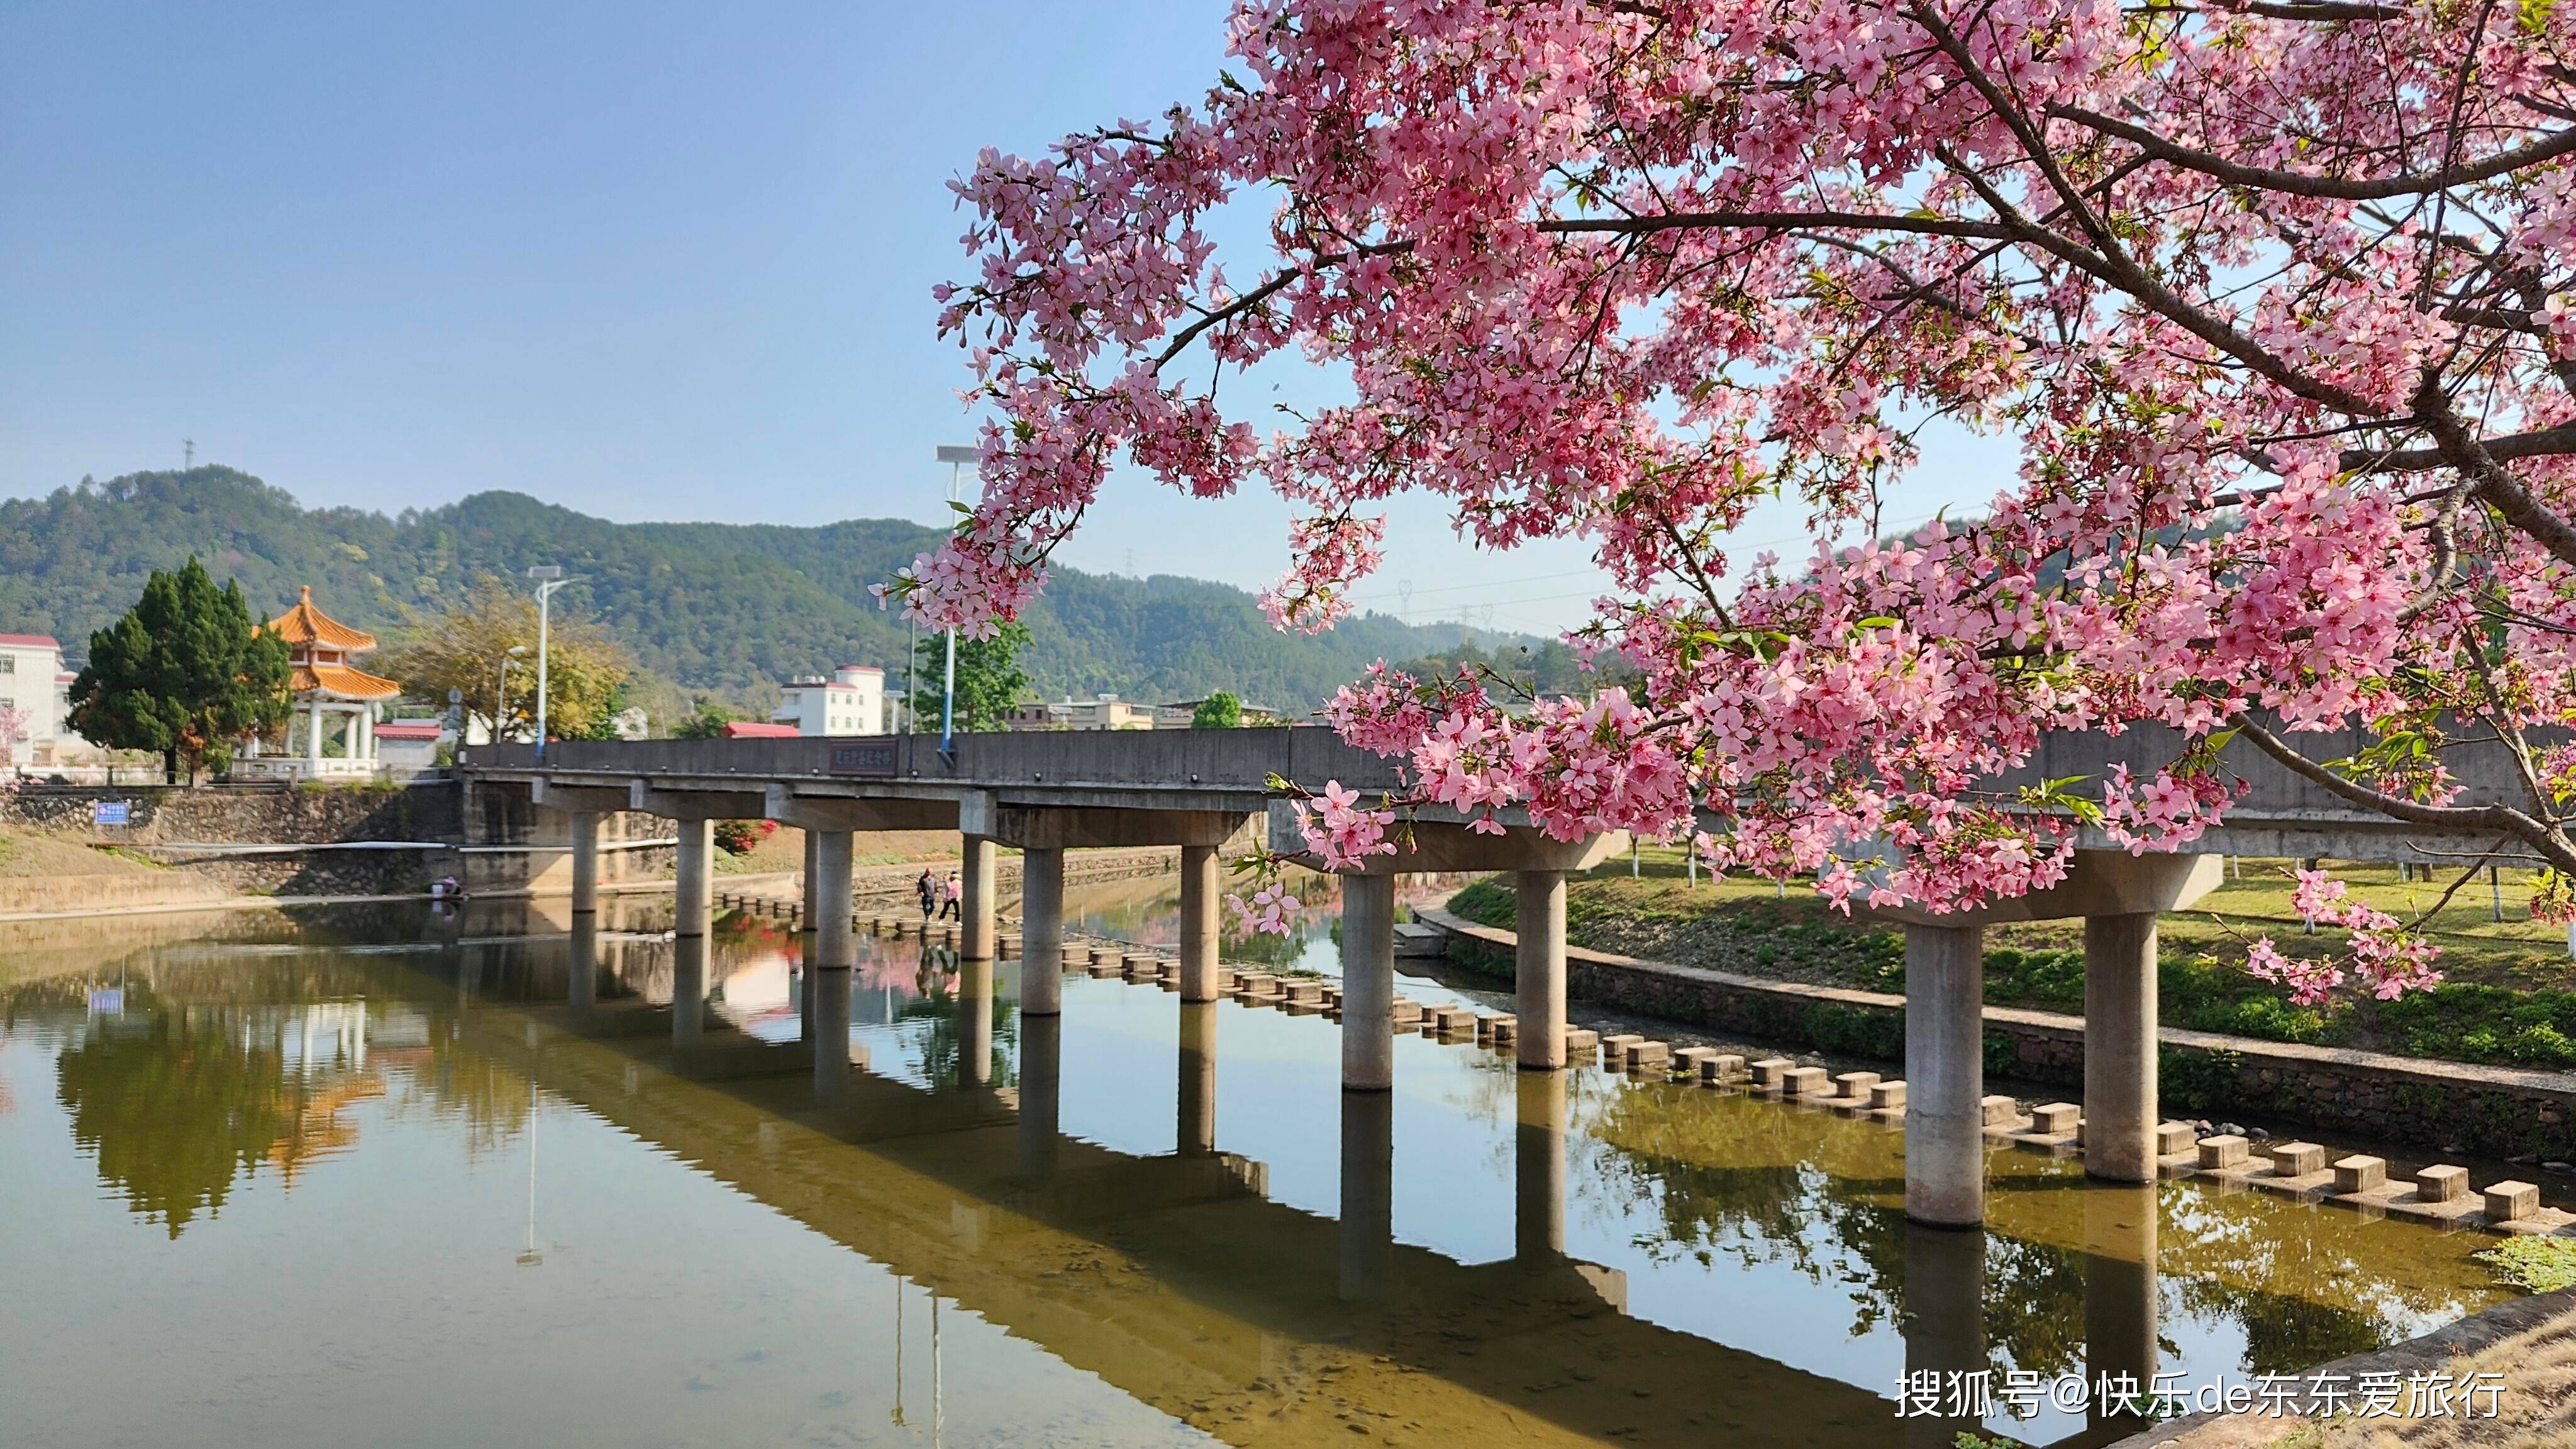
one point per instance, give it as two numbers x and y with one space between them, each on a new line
2301 183
2505 818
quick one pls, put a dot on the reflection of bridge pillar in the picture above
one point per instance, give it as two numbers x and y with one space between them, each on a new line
975 931
1539 971
2120 1047
1945 1320
1368 983
1199 890
1197 1132
1041 1085
688 990
975 1018
829 966
585 863
2120 1291
1538 1170
581 972
1041 932
1368 1188
805 957
697 844
1945 1072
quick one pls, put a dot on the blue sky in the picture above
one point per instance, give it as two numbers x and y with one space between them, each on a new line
648 261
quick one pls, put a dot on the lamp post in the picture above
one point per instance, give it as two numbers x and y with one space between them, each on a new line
956 458
501 691
549 577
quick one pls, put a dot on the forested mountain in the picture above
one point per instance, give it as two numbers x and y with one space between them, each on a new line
722 608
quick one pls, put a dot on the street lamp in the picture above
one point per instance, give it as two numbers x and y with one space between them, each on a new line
549 577
956 457
501 691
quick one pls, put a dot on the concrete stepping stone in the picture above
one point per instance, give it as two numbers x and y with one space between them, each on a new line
1719 1068
1887 1097
1768 1072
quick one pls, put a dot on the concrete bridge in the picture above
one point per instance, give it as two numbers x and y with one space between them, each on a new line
1202 790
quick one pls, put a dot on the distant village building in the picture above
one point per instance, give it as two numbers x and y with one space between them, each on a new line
34 683
332 734
1100 712
850 702
752 729
406 746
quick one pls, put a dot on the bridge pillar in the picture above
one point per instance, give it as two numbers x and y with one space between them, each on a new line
1041 1088
2120 1293
1368 1186
831 959
1539 971
2120 1047
688 991
1538 1170
697 876
975 1017
1196 1136
1042 933
1368 984
1945 1321
975 931
805 954
581 974
585 863
1945 1069
1200 888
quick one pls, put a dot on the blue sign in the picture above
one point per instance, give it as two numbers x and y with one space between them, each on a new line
110 812
107 1001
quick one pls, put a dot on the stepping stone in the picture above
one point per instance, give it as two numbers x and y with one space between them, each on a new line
1855 1087
1406 1013
1768 1072
2512 1201
2360 1173
1805 1082
1580 1041
1451 1019
2297 1159
2441 1184
2056 1119
1887 1097
1304 992
2174 1138
2227 1150
1649 1056
1718 1068
1614 1049
1999 1111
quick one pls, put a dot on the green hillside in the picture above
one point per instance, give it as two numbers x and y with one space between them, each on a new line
723 608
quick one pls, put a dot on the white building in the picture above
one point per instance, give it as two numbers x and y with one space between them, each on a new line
34 683
851 702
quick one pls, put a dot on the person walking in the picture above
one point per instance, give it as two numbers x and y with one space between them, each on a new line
926 888
950 908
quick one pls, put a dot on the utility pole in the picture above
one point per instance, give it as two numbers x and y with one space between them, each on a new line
956 457
549 577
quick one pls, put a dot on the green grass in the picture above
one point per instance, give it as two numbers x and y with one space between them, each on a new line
2510 998
2534 1264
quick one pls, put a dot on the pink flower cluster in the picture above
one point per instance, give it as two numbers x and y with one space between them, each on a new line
2389 959
1271 909
2296 440
1340 831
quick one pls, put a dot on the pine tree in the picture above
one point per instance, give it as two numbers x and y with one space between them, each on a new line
185 673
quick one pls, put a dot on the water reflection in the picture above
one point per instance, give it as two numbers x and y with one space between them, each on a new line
1560 1255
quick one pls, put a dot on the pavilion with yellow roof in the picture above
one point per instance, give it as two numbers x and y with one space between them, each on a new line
333 729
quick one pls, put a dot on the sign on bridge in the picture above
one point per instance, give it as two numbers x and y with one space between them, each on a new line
872 758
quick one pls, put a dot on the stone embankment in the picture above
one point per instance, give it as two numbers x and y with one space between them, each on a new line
2449 1106
230 840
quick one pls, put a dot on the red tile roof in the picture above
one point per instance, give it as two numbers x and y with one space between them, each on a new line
408 729
750 729
30 641
305 624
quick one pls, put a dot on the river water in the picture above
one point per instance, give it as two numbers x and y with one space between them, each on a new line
360 1176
